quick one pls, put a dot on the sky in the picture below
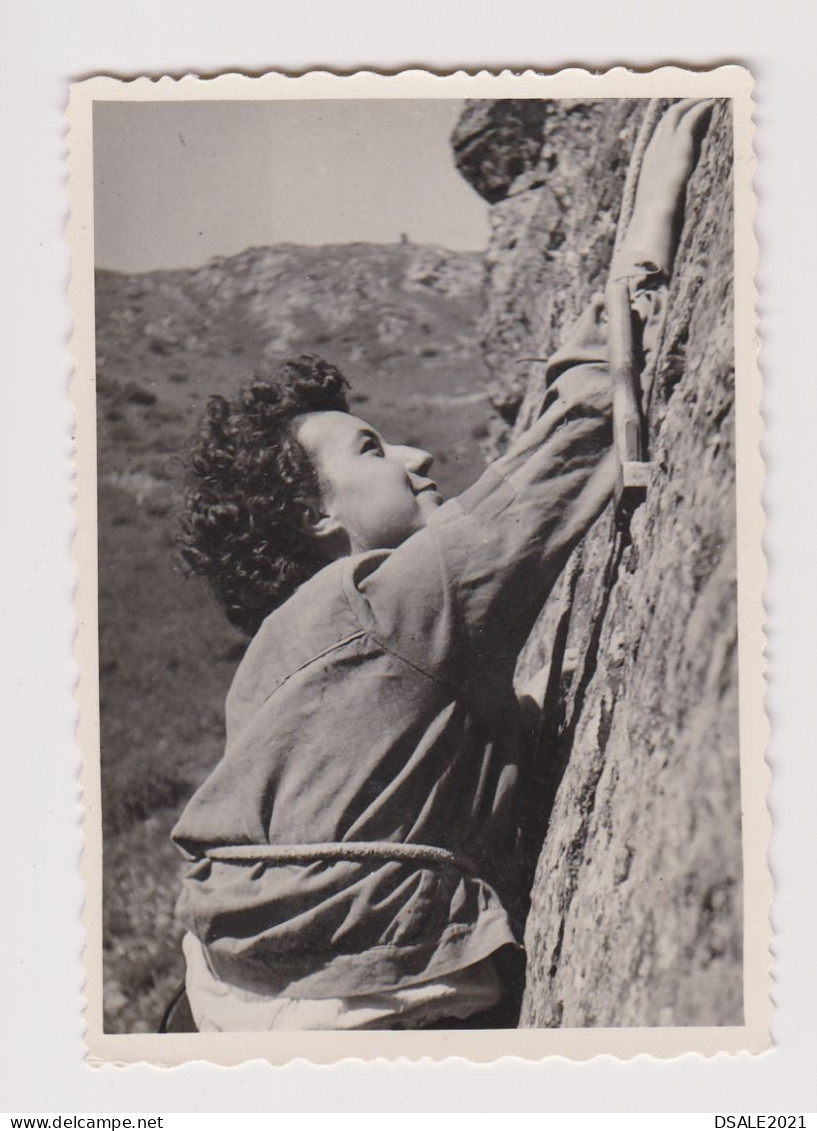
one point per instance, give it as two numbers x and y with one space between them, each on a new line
178 182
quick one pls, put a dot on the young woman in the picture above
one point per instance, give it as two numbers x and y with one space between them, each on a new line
352 857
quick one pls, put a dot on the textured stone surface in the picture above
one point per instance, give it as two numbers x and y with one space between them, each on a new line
496 143
551 237
636 914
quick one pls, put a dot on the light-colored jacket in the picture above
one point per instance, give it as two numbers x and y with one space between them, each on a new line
376 707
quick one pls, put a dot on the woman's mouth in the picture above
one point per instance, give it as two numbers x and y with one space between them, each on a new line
431 488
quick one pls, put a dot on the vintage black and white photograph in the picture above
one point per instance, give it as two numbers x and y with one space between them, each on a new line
421 686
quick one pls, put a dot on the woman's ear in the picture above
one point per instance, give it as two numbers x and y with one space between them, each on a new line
326 531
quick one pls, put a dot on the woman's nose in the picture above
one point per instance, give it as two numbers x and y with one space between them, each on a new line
413 459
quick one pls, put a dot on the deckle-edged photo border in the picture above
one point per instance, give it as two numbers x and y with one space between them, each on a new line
327 1047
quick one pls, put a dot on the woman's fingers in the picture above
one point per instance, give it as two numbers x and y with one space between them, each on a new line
696 115
689 112
680 128
679 108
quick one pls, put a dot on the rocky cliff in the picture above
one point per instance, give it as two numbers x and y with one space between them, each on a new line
636 912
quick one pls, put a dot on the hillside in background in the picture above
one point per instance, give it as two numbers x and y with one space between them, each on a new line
400 321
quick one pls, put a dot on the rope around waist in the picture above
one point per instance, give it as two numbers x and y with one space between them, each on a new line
339 850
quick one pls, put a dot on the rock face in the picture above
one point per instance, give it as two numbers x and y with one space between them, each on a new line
636 915
553 220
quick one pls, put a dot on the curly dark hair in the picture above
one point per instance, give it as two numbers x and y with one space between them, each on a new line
248 483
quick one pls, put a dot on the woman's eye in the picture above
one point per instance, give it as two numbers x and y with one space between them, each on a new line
372 446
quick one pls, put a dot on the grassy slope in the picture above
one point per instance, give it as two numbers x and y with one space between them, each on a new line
400 322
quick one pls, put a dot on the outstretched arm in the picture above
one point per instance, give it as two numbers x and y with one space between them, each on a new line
650 241
460 597
659 203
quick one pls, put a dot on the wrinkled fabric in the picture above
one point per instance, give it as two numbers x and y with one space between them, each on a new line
220 1007
376 704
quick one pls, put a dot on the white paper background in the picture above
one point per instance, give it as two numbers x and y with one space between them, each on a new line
44 45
